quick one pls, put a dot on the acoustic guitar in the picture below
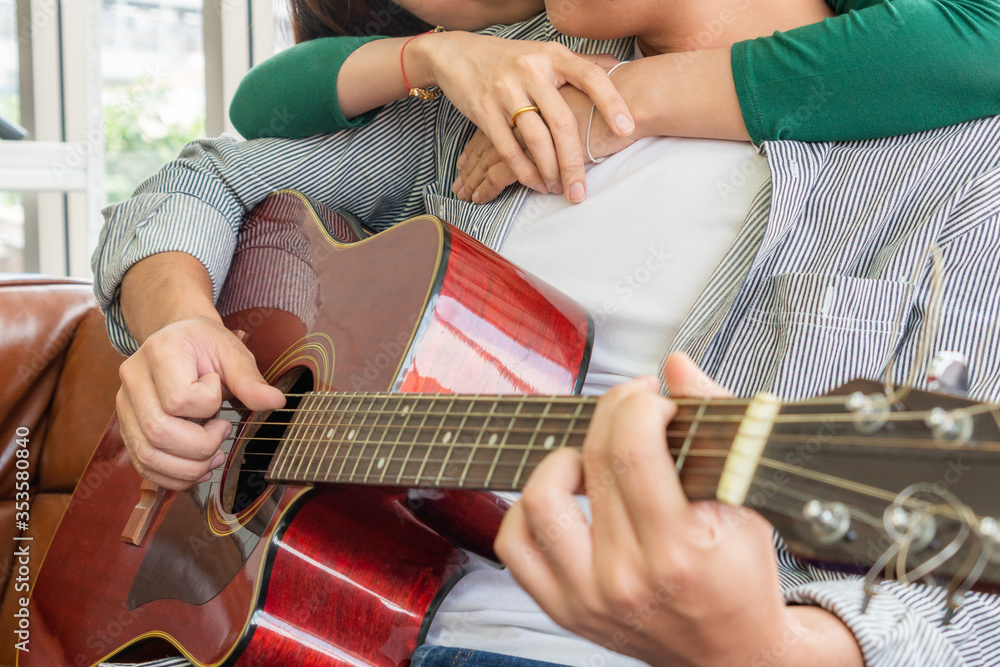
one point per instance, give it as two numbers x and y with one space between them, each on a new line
422 372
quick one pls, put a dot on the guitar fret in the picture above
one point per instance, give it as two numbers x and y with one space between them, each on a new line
306 413
312 448
416 435
328 429
452 442
380 440
686 447
503 443
370 412
430 445
530 447
332 434
351 432
572 424
475 444
399 437
284 453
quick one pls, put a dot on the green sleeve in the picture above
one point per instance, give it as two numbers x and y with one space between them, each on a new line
293 94
880 68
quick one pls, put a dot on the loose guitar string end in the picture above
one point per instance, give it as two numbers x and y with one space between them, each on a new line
952 607
871 590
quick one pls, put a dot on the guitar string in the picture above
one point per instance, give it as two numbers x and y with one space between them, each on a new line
861 442
789 418
834 481
555 430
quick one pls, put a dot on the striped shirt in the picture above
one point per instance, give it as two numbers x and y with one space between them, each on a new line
831 276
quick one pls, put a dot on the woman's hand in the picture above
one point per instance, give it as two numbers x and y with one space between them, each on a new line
484 174
488 79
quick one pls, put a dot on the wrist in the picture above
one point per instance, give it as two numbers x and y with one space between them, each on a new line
163 289
813 636
417 59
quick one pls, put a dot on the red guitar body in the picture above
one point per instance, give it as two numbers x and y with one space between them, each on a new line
240 572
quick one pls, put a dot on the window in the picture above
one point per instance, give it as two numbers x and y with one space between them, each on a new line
153 70
11 209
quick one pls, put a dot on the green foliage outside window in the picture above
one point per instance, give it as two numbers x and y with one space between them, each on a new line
141 134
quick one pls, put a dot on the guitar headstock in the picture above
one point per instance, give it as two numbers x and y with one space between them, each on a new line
901 485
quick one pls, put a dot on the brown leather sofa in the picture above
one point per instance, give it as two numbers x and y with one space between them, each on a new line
59 379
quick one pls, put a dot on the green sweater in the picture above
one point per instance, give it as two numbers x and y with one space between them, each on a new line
880 68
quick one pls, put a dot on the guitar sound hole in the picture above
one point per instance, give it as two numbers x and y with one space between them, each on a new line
260 447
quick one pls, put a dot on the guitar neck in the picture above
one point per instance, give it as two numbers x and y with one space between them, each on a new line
473 442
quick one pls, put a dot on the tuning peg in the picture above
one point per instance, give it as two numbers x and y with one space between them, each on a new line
871 411
948 372
989 532
829 521
945 425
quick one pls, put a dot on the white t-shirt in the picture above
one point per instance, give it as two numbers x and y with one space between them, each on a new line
636 253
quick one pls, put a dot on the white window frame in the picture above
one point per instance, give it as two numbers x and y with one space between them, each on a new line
60 69
60 168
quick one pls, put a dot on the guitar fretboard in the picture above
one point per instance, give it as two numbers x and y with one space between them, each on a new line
453 441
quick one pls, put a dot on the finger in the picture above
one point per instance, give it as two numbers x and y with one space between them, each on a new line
641 497
604 60
615 539
566 139
239 372
684 378
160 431
476 172
539 142
181 392
498 177
515 546
555 523
595 82
157 466
509 150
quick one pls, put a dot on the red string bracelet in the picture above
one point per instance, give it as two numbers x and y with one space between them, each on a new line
423 93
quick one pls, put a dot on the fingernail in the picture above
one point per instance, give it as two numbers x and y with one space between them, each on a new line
556 189
219 459
204 478
476 197
456 185
461 160
624 124
461 194
541 188
577 193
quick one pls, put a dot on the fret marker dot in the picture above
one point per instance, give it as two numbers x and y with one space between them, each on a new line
447 437
350 436
405 409
549 441
493 439
329 433
381 462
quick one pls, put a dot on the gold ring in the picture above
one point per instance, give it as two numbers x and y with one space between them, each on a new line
513 116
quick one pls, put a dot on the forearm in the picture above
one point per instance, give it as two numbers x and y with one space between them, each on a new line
372 76
688 94
887 68
163 289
